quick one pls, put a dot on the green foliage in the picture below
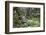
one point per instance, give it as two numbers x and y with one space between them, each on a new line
33 20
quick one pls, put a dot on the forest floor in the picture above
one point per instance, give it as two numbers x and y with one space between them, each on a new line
33 22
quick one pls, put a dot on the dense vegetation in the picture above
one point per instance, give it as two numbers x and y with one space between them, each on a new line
26 17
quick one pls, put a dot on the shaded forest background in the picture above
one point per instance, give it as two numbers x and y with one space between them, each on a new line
26 17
